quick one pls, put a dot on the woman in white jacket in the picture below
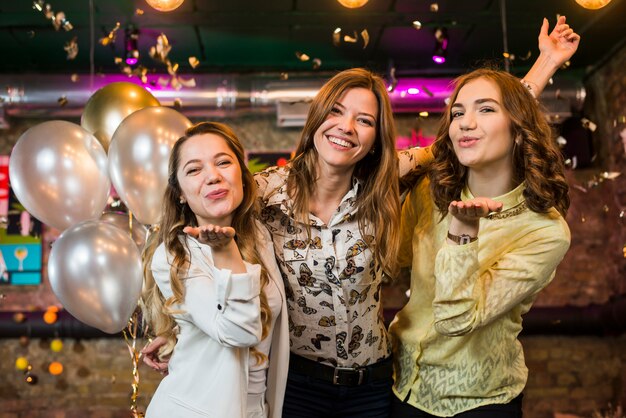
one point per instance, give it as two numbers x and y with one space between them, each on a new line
210 271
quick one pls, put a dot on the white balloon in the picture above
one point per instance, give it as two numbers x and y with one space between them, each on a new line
95 270
58 171
138 159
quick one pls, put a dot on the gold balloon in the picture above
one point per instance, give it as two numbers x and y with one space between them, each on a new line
593 4
165 5
108 106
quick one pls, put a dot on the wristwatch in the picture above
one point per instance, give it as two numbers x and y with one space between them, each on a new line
462 239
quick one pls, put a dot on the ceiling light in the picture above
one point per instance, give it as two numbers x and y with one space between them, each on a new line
593 4
352 4
131 45
165 5
441 45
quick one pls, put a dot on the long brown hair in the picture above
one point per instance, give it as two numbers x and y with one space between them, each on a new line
377 201
537 160
157 311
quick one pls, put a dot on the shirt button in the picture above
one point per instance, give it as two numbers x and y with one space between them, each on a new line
219 307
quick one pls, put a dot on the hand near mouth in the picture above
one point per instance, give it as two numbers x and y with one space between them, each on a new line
213 235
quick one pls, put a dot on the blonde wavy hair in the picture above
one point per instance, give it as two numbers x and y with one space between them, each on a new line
157 311
537 160
378 198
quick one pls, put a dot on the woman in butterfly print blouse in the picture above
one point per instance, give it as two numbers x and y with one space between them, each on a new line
333 216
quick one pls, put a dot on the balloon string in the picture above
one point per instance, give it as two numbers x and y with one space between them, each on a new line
130 336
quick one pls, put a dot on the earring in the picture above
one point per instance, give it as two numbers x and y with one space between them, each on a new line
373 150
518 141
182 200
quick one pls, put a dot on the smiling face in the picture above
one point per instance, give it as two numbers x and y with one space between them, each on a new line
349 131
480 129
210 179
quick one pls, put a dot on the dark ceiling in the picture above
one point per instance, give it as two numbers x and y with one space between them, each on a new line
255 35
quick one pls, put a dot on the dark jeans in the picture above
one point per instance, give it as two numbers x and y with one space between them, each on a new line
308 397
512 409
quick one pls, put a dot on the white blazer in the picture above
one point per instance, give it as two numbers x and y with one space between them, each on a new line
279 351
208 371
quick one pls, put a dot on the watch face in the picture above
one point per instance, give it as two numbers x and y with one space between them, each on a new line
465 239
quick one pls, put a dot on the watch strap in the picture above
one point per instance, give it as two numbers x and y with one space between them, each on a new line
461 239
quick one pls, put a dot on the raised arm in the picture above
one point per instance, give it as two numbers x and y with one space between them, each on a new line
555 49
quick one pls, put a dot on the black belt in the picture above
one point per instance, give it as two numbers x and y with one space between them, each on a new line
345 376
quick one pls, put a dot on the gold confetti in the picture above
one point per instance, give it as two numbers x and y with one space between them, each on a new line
337 37
30 34
434 7
193 61
423 114
506 54
284 76
302 56
71 48
317 63
587 124
612 175
565 65
62 101
117 60
175 84
583 219
351 39
366 38
527 56
427 91
178 104
417 24
162 48
38 5
74 77
110 38
605 208
139 12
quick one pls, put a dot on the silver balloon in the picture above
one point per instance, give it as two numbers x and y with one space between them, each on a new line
121 220
59 173
138 158
95 271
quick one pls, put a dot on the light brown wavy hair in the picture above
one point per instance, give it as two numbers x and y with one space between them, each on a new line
378 198
157 311
537 160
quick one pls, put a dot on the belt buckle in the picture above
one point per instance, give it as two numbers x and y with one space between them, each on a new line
337 370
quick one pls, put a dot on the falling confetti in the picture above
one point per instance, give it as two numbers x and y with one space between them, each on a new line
193 61
587 124
337 37
110 38
366 38
62 102
71 48
434 7
417 24
284 76
351 39
178 104
302 56
74 77
139 12
317 63
427 91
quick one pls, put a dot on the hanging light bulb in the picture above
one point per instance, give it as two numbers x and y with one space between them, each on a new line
441 45
165 5
352 4
593 4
